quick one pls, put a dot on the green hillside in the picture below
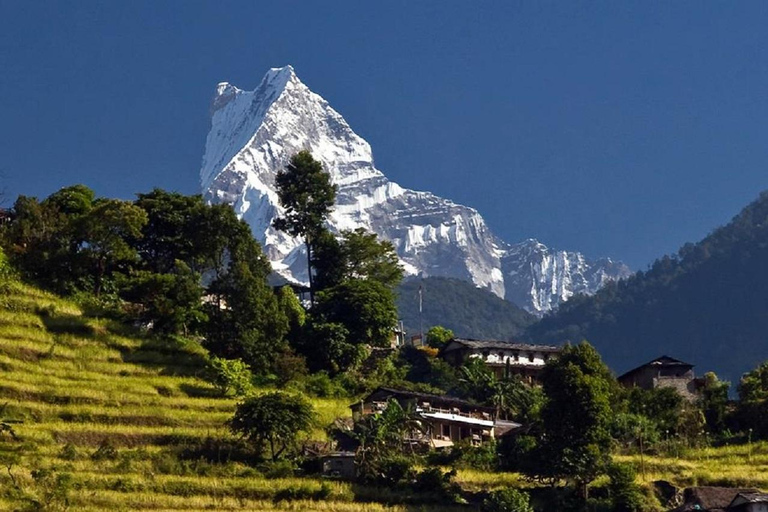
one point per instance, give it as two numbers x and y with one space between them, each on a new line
708 305
122 422
460 306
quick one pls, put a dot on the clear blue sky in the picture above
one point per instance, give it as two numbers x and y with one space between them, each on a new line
617 128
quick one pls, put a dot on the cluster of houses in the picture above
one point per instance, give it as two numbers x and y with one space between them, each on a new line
447 420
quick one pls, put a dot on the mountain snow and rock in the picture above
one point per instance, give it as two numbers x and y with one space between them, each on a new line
253 135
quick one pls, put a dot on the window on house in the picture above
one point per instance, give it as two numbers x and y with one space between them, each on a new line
446 430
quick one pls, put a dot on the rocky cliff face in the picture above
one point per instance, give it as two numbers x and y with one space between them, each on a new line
253 135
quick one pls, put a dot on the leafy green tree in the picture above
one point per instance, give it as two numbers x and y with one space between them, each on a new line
714 402
274 420
367 257
307 195
170 302
106 231
365 307
72 200
753 401
626 495
172 230
579 387
245 319
42 243
661 406
438 336
326 348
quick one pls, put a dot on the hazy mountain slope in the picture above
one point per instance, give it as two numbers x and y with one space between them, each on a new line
254 133
707 305
465 309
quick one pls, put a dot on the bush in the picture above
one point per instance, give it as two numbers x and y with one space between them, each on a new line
626 495
278 469
231 375
507 500
393 470
322 385
105 451
433 480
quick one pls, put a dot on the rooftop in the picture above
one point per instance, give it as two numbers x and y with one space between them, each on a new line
659 362
499 345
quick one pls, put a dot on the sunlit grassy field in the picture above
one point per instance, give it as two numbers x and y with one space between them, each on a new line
108 415
126 422
743 465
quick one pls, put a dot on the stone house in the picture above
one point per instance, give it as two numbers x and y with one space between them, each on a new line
447 420
502 357
664 372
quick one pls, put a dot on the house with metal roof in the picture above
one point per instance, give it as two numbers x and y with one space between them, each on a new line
505 358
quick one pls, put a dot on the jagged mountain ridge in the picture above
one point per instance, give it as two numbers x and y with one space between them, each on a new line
253 135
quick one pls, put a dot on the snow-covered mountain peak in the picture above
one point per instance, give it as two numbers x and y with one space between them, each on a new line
253 135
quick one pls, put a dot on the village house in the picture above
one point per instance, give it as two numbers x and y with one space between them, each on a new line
447 420
502 357
749 502
664 372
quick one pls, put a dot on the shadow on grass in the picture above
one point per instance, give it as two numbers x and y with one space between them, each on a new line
197 391
175 357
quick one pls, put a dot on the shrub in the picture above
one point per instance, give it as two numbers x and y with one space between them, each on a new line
394 470
626 495
278 469
433 480
69 452
105 451
507 500
231 375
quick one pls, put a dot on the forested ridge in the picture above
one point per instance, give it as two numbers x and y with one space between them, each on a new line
470 312
706 304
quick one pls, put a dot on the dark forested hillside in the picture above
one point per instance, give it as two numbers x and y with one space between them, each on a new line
460 306
708 305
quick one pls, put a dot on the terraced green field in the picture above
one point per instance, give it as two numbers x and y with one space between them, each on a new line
103 419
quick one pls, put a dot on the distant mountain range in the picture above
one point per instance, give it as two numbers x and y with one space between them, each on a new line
707 305
253 135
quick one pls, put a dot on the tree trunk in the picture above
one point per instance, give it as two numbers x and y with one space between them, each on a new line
309 270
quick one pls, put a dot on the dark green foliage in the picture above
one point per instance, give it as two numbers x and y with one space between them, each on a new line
662 406
172 231
169 302
273 421
365 307
706 304
326 348
625 494
461 307
714 403
307 195
752 411
107 231
245 320
510 396
579 387
507 500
